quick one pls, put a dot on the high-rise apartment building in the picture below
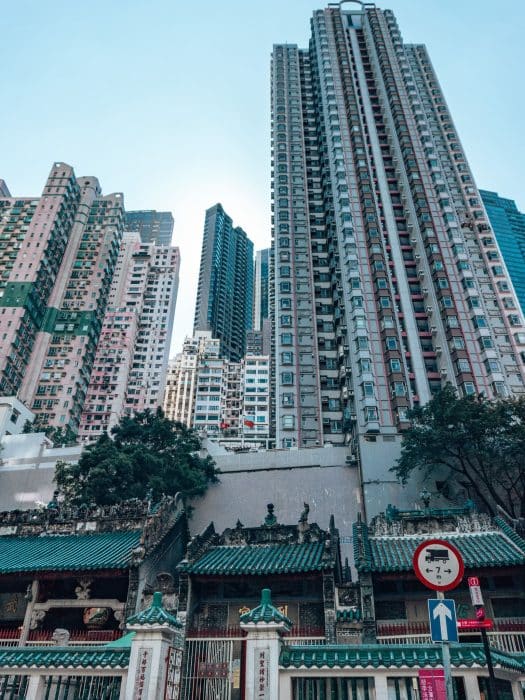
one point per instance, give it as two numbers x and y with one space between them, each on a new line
225 290
508 224
386 282
129 373
147 379
229 401
153 226
57 255
181 383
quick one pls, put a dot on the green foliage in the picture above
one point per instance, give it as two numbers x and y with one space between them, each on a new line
475 443
59 436
148 454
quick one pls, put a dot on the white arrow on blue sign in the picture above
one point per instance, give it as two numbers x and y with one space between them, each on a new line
443 621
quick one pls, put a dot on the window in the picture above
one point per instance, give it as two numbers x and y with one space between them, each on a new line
463 365
365 365
368 389
391 343
286 320
287 400
288 422
370 413
286 303
479 321
287 378
458 343
287 358
499 388
285 287
399 389
286 338
362 342
395 365
492 365
486 342
469 388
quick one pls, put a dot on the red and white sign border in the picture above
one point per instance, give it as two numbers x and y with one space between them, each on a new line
420 574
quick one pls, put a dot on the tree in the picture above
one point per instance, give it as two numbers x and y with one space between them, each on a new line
59 436
476 443
148 454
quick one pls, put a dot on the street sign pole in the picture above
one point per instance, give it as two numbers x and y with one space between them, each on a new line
492 681
447 666
477 601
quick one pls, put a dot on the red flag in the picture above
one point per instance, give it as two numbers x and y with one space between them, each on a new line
224 425
249 423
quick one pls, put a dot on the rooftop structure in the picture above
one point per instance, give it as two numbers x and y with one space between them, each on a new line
153 226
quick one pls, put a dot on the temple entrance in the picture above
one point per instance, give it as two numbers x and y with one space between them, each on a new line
212 669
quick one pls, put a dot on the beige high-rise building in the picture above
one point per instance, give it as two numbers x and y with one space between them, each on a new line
57 256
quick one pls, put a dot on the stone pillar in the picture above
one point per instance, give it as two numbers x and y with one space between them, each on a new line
517 692
26 626
472 686
156 652
381 685
264 625
35 688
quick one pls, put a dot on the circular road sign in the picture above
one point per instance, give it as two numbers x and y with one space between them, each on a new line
438 565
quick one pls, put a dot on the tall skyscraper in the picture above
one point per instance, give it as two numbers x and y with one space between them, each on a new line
130 367
153 226
225 292
385 284
57 255
508 223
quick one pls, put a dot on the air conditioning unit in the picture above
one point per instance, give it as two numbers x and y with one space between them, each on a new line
438 349
429 310
433 330
417 256
443 371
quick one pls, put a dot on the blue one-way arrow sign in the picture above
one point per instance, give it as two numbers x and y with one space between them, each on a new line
443 622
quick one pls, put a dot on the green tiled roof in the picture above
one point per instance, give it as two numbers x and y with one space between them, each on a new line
479 549
154 615
265 612
65 657
392 656
262 559
104 550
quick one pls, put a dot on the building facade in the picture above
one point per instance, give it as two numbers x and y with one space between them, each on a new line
386 278
225 290
130 367
261 288
508 224
179 397
153 226
58 257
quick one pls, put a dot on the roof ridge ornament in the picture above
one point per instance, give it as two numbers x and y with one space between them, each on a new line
270 520
266 612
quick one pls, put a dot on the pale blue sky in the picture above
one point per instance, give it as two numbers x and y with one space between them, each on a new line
168 101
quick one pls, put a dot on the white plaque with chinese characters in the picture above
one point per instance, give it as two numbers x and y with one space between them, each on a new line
143 673
262 673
